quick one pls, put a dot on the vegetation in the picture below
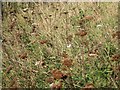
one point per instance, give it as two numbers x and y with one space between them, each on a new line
60 45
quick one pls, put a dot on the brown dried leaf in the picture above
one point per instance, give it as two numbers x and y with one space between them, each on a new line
57 74
67 62
43 41
81 33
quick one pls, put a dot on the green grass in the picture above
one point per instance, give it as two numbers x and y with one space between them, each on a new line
27 25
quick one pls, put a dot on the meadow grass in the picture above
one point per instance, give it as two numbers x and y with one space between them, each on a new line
66 45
